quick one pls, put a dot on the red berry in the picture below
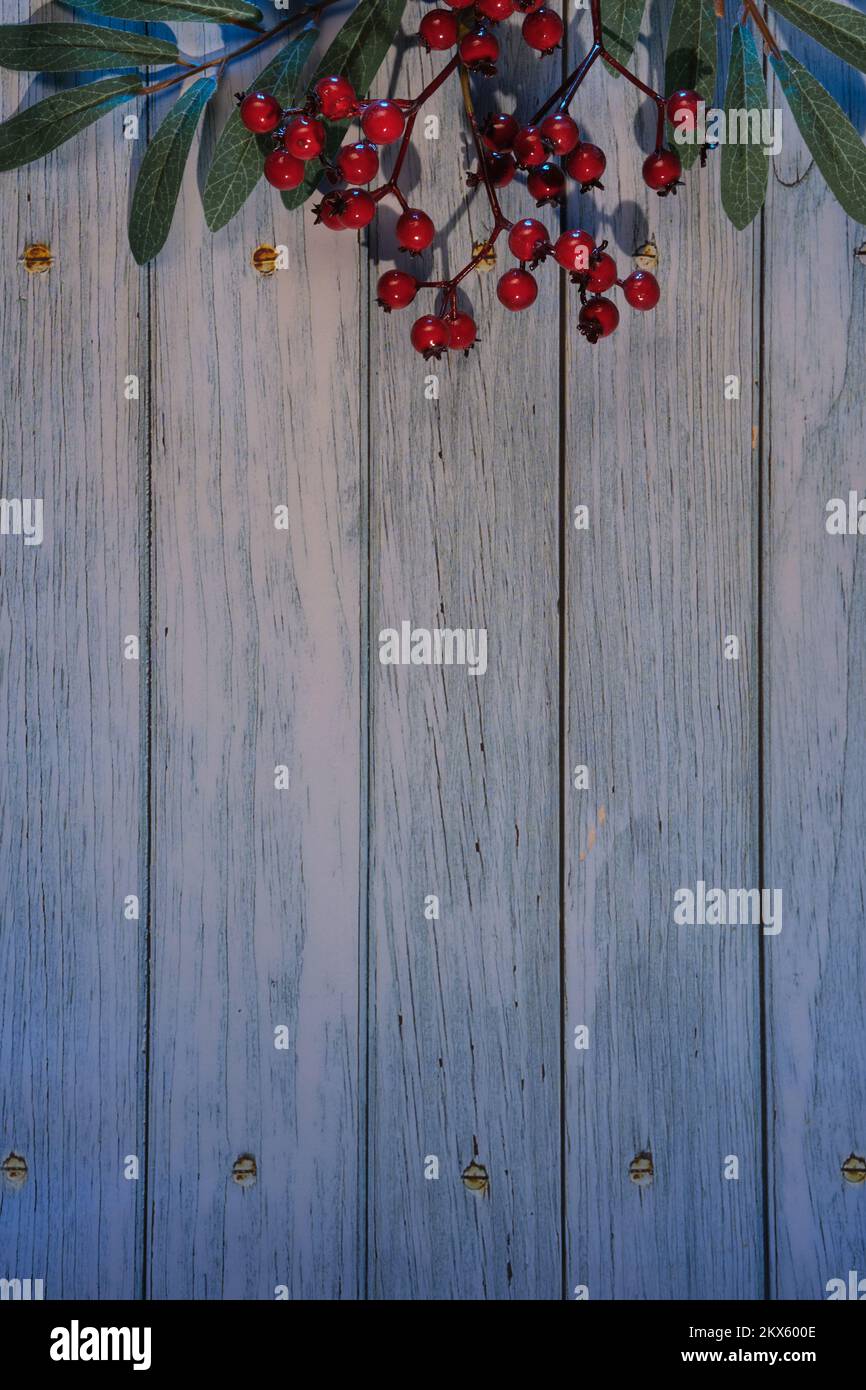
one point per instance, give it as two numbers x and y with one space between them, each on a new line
543 30
383 122
501 167
528 240
430 335
687 102
462 332
546 184
601 274
641 290
494 10
260 112
358 163
335 98
597 319
498 131
573 250
329 212
560 131
414 230
529 148
661 171
460 4
586 164
304 137
439 30
479 50
517 289
396 289
283 170
358 208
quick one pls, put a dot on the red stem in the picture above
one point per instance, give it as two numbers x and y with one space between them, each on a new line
450 66
564 94
413 106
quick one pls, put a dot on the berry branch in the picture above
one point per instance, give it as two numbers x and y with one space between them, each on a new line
502 147
546 151
751 9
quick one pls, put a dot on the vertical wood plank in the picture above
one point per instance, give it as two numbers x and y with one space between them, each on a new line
71 829
463 516
815 607
255 890
667 729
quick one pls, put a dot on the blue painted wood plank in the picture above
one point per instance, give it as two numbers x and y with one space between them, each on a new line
256 666
815 610
665 1089
71 831
464 1008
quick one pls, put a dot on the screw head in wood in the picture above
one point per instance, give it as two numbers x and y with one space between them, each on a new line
475 1177
37 258
245 1170
640 1170
14 1170
264 259
854 1169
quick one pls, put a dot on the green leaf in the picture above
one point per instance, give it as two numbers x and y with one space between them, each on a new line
690 61
620 26
78 48
833 142
161 173
237 162
357 52
172 11
41 128
837 27
745 167
359 49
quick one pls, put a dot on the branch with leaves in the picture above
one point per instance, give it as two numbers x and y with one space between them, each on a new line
139 64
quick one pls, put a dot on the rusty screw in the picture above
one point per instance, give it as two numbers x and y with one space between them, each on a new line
14 1170
854 1169
488 260
244 1170
265 259
641 1170
647 256
37 258
475 1177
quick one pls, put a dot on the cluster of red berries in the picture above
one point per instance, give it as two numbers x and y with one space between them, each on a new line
590 267
300 135
503 146
532 148
478 46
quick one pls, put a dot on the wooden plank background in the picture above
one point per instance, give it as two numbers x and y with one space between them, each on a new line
813 695
464 797
667 730
255 667
296 915
72 836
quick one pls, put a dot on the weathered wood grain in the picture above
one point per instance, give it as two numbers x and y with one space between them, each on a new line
814 705
667 729
464 1011
256 664
71 832
305 907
